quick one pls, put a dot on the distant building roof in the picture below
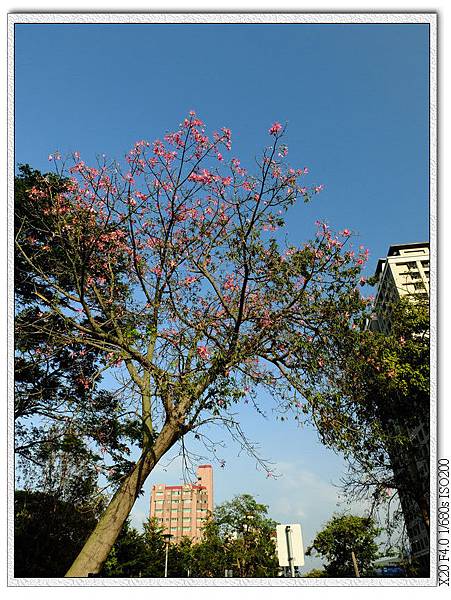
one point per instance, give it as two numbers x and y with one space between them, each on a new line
180 487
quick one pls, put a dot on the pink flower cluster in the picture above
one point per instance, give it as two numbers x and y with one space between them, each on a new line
203 352
204 177
275 128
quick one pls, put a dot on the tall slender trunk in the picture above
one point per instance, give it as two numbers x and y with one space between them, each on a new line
101 540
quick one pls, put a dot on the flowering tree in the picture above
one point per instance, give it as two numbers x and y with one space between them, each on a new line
169 270
53 422
382 403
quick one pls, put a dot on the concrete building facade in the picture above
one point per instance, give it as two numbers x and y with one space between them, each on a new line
405 273
182 510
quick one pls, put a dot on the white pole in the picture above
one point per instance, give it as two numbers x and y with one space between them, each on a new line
290 549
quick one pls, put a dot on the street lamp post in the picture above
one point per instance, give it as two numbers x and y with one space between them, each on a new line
167 539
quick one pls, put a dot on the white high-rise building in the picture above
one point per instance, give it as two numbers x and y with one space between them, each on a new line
405 273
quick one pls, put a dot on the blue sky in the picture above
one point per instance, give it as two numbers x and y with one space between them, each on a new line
355 99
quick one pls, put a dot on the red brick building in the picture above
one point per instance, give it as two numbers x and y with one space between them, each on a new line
182 510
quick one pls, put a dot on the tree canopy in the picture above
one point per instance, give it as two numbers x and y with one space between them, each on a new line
381 397
240 539
167 276
342 536
48 533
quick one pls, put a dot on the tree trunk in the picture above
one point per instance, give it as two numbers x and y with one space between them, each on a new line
102 539
424 507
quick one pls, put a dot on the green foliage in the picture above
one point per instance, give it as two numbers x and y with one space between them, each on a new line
240 538
378 394
315 573
58 404
142 555
48 533
380 377
129 556
341 536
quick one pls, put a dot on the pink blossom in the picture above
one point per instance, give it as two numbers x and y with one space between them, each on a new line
203 352
266 320
229 283
346 232
275 128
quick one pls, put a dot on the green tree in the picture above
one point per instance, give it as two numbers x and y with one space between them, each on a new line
378 396
156 552
239 538
169 271
54 411
142 555
130 556
342 536
315 573
55 513
48 533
